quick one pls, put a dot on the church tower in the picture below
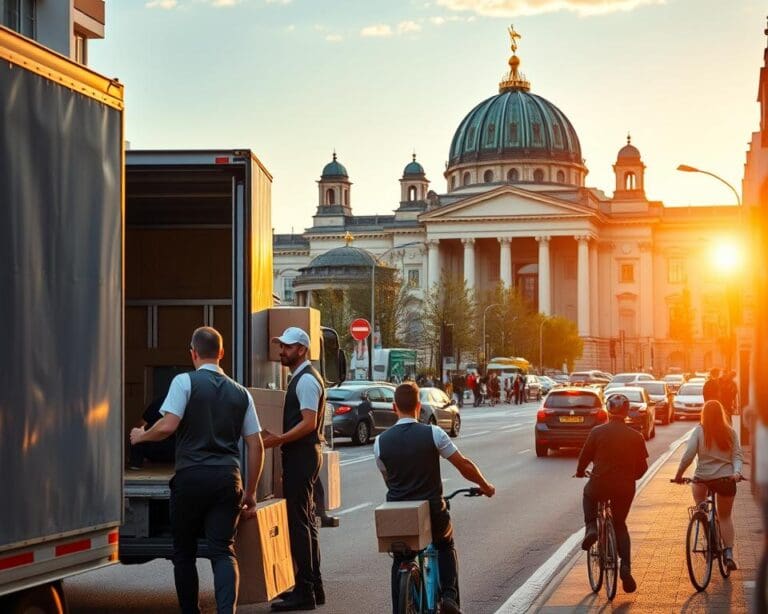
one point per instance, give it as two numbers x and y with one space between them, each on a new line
333 195
414 184
629 170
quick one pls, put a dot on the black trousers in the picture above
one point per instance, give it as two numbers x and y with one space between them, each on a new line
301 464
447 560
621 496
206 501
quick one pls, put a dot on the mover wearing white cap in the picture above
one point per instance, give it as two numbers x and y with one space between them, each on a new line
291 336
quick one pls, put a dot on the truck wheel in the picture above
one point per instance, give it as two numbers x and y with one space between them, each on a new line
541 450
46 599
362 433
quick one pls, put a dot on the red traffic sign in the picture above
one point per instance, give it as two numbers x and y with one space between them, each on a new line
360 329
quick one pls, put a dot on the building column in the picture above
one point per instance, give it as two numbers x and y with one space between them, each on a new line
646 289
606 305
505 261
582 285
469 261
594 296
433 259
545 281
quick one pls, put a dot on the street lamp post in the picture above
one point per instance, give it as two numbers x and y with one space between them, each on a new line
485 344
541 346
374 260
692 169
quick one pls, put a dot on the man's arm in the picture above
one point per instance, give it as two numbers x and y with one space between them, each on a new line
255 465
469 471
587 455
163 428
305 427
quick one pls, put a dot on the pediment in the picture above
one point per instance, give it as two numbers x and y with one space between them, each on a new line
503 203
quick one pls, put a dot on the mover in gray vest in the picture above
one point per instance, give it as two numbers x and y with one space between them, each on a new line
408 456
209 413
300 442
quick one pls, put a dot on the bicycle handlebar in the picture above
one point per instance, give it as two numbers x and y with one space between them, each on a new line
470 492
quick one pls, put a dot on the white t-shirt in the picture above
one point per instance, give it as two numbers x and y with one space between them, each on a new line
308 389
443 443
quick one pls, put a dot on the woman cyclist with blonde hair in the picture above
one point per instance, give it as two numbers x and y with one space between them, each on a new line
718 466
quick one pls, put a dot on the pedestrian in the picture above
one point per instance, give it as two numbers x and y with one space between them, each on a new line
508 389
493 388
458 381
408 456
516 385
729 393
618 454
303 416
719 467
711 390
209 413
472 385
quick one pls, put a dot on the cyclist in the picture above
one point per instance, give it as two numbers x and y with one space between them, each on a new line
618 455
718 467
408 456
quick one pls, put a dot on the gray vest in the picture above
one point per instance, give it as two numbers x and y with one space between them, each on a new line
292 410
210 431
412 461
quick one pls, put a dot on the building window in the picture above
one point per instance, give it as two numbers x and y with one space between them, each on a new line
330 197
560 177
453 182
19 15
411 193
630 181
346 196
676 271
465 179
81 49
513 175
537 134
538 175
490 134
558 135
288 294
413 278
627 273
627 322
488 176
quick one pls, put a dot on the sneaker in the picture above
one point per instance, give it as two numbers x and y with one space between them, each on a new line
590 537
730 563
627 581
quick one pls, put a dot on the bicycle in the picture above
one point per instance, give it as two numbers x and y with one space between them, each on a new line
603 555
703 539
418 578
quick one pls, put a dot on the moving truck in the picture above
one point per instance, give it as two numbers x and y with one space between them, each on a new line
389 364
61 411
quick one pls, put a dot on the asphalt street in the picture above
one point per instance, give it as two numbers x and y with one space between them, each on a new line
501 541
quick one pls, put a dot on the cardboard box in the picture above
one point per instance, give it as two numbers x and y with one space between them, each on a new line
306 318
330 476
403 521
264 553
269 409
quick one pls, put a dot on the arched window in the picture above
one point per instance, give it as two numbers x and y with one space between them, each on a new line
630 181
488 176
513 175
465 179
330 197
346 196
538 175
411 193
453 182
560 177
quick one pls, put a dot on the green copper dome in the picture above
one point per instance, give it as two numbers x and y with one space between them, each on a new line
334 169
413 168
515 124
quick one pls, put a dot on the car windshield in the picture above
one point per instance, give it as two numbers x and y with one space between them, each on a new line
652 387
635 396
623 378
568 400
691 390
339 394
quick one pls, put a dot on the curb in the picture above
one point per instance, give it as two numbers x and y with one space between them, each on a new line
546 579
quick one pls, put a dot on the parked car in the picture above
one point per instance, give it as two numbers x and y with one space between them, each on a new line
437 408
629 379
547 384
674 381
561 378
689 400
660 394
566 417
584 378
642 411
362 410
533 391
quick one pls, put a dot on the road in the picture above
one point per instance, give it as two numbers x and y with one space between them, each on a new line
501 541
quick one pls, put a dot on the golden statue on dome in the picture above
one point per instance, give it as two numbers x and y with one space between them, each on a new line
514 79
349 237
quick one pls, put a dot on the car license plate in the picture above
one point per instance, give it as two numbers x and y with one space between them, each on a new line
571 418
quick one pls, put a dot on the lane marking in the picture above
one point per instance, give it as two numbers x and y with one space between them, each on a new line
353 508
525 596
524 451
474 434
362 459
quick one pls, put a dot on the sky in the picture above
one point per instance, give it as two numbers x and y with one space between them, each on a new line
377 80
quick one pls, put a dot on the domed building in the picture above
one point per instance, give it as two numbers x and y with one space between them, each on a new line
516 210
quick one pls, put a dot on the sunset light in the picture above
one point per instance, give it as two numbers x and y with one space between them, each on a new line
727 256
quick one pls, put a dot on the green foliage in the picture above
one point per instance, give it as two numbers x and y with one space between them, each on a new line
561 343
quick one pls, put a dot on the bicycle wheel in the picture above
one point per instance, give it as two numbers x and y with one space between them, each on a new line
718 541
409 590
610 561
594 567
698 554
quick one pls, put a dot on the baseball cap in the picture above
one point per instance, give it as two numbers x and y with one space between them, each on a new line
291 336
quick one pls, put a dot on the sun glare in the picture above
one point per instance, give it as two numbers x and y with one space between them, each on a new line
727 257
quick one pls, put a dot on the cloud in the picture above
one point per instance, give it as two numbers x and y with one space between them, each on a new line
380 30
437 21
290 28
513 8
222 3
162 4
334 38
279 1
405 27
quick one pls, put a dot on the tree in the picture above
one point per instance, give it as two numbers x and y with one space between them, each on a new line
511 325
561 343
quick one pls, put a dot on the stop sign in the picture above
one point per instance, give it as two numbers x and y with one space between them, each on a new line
360 329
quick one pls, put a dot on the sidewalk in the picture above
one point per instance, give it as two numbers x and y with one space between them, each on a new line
657 524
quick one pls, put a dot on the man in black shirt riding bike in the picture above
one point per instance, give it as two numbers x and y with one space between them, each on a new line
618 455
